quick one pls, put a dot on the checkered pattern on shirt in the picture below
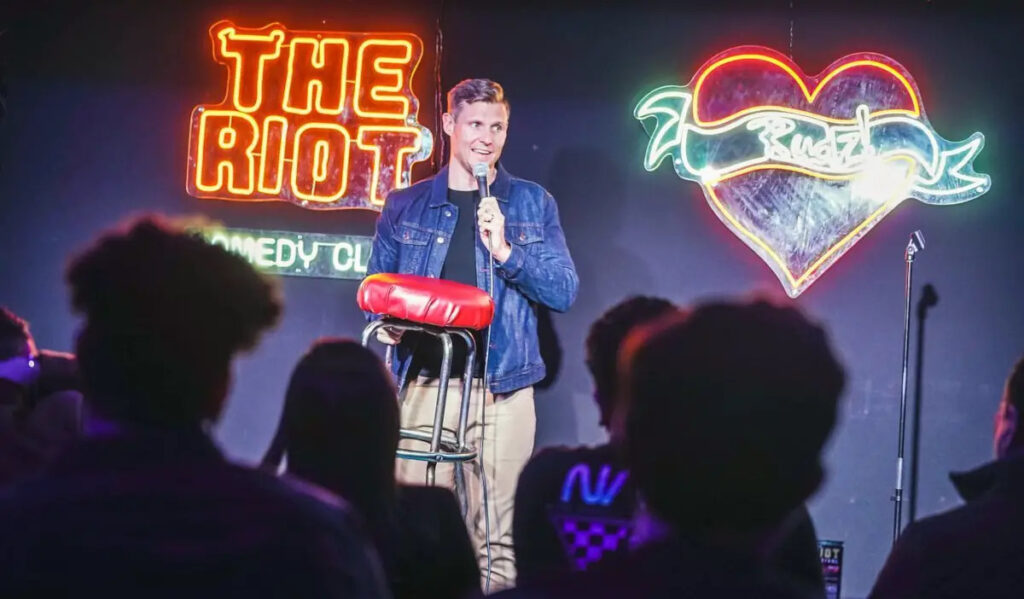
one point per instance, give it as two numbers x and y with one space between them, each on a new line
587 539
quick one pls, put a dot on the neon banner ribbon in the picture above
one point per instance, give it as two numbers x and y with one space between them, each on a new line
799 167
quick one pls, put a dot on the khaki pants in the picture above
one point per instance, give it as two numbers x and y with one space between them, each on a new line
508 432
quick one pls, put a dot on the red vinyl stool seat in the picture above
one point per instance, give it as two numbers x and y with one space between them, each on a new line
446 310
424 300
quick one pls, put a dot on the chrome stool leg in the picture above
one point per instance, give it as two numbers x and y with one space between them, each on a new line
452 449
442 398
460 434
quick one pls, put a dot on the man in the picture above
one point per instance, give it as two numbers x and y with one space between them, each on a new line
436 228
974 550
566 495
146 505
726 410
40 402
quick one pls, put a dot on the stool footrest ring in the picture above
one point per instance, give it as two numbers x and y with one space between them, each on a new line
448 440
438 456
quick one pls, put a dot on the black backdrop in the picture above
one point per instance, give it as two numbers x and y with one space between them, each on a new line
99 101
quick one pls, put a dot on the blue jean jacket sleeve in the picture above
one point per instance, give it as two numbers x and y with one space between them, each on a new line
544 273
383 254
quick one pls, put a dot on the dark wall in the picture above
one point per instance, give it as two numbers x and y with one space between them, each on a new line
99 101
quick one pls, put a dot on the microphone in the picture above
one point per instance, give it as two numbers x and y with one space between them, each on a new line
917 239
480 172
915 245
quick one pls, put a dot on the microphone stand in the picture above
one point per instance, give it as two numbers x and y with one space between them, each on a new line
915 245
480 173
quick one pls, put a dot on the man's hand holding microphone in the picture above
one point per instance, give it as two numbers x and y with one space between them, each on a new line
489 219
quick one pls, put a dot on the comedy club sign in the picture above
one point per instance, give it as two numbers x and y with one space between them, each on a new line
293 254
801 168
320 119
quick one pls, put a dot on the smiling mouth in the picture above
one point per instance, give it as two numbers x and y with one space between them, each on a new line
482 152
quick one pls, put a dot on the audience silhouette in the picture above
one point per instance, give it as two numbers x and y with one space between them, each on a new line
974 550
339 429
40 402
574 505
717 417
146 505
577 509
726 410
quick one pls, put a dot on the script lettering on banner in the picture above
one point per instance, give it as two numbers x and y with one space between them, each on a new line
320 119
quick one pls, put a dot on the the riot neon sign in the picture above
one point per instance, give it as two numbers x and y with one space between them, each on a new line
800 168
319 119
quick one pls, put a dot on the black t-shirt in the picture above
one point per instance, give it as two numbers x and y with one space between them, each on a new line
574 511
573 508
460 262
459 266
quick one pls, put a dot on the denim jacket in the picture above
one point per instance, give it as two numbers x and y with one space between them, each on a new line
412 237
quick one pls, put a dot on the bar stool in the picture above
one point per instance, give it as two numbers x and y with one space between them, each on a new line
445 310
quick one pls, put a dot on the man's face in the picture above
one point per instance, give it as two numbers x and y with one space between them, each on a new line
477 133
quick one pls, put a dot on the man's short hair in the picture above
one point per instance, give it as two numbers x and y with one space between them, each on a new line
468 91
605 339
729 407
164 313
15 339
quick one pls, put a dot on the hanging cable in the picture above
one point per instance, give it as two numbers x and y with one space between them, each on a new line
792 18
438 157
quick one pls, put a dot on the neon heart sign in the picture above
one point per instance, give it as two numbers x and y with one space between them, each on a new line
801 168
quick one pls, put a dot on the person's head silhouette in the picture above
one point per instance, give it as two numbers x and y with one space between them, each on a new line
165 312
728 408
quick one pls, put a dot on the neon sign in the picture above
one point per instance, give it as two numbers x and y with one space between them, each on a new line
601 493
296 254
801 168
319 119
